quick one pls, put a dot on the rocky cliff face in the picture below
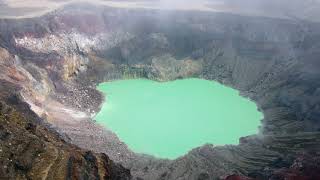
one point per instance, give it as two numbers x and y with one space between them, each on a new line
30 149
55 61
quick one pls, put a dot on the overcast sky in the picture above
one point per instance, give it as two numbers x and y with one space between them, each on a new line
300 9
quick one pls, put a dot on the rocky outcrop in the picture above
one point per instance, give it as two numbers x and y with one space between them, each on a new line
30 149
56 60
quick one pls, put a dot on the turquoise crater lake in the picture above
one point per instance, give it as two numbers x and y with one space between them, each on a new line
169 119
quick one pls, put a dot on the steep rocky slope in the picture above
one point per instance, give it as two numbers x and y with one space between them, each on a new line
56 60
31 149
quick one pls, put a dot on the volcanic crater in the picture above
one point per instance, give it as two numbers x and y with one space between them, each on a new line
50 66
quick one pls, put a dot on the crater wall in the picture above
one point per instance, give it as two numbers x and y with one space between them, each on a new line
56 61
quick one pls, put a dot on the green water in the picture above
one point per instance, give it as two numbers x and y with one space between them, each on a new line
169 119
